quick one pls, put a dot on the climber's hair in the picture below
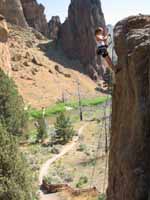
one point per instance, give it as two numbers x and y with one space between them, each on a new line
98 30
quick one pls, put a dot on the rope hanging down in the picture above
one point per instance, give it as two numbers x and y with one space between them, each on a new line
106 127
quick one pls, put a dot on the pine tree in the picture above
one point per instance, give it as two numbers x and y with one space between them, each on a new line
64 129
12 113
41 129
15 178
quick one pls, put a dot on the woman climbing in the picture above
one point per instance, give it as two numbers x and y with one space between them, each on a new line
101 39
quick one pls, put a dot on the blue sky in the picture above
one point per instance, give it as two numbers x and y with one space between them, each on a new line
114 10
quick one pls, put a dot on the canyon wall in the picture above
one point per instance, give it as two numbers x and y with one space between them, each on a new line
129 163
24 13
13 12
77 33
34 14
54 27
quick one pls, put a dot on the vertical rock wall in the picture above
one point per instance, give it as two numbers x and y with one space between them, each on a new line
129 162
54 27
34 14
13 12
77 33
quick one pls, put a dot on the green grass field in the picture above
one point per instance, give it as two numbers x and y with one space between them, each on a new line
61 107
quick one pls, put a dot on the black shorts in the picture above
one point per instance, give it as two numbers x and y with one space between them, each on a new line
102 50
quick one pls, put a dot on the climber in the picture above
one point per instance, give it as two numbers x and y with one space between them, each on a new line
101 39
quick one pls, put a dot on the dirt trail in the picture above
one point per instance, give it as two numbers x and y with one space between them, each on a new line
46 165
49 197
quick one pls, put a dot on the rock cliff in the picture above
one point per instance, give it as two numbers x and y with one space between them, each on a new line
129 165
4 50
77 33
34 14
54 27
13 12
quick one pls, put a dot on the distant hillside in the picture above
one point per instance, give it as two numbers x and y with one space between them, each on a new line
76 34
42 73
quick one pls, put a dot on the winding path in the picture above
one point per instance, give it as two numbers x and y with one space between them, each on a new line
45 167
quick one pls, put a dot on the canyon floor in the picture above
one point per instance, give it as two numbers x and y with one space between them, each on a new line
83 158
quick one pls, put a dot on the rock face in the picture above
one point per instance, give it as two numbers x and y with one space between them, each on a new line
34 14
13 12
4 50
54 27
77 32
129 165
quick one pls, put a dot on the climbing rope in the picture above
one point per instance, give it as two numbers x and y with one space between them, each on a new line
106 127
103 127
96 153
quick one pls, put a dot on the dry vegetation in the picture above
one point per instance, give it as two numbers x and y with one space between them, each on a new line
84 166
42 73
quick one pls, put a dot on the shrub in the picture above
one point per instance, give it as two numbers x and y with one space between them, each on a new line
82 181
101 197
53 180
12 114
15 177
82 147
41 129
64 129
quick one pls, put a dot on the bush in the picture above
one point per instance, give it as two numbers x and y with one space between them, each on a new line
82 147
53 180
101 197
41 129
64 129
12 114
82 181
15 178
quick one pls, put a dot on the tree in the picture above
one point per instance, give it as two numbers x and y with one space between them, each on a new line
15 178
41 129
64 129
12 114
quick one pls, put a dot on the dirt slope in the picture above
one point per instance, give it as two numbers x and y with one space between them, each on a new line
42 74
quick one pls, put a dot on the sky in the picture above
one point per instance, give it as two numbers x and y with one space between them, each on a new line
114 10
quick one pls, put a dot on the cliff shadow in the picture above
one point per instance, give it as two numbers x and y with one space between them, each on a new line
54 52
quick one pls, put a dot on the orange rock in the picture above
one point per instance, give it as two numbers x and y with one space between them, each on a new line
4 50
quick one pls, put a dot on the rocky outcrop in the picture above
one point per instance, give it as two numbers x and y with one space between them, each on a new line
13 12
54 27
129 164
34 14
24 13
77 33
53 188
4 50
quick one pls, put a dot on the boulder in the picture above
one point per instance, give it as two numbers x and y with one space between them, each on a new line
77 33
129 163
13 12
34 14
